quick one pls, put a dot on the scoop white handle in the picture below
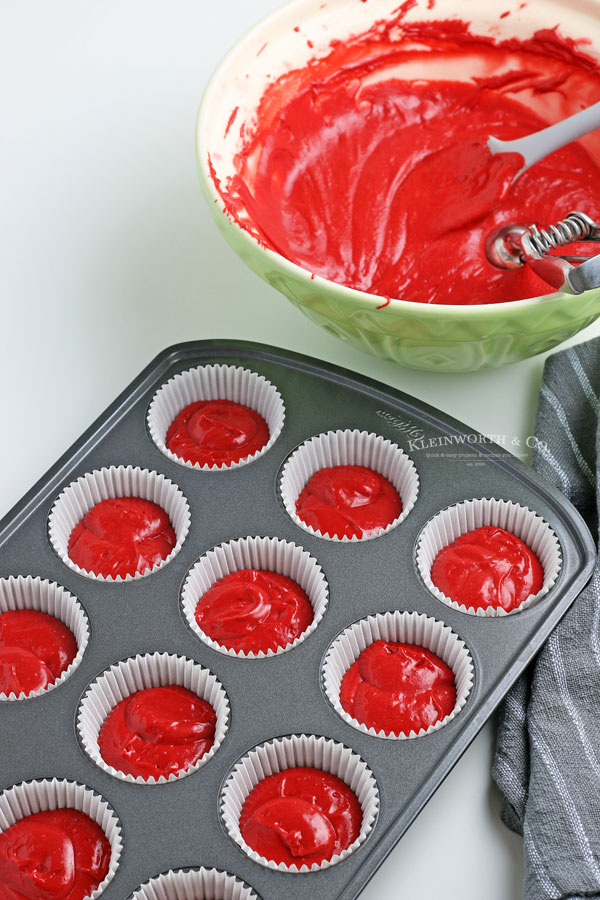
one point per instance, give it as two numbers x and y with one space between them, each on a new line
536 146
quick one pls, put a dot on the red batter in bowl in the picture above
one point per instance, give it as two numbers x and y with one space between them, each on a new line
35 649
59 854
398 688
487 567
348 501
300 816
122 536
157 731
216 432
254 610
369 167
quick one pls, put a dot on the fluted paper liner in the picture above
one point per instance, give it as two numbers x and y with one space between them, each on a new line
404 627
450 523
273 554
31 797
26 592
194 884
215 382
286 753
138 673
116 481
344 448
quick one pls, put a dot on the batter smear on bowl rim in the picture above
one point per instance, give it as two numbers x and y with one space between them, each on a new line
369 167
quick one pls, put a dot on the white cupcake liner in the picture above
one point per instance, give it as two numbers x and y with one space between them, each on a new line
31 797
215 382
343 448
287 753
273 554
199 884
447 525
116 481
26 592
404 627
138 673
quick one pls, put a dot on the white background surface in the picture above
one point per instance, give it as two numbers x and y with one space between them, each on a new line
108 254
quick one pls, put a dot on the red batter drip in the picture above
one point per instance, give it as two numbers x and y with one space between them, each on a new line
348 501
254 610
61 854
122 536
300 816
35 649
216 432
363 172
157 731
398 688
487 567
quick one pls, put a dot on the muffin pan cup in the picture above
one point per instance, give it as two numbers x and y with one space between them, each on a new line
32 797
349 447
139 673
271 554
26 592
178 825
409 628
217 382
288 753
199 884
78 498
450 523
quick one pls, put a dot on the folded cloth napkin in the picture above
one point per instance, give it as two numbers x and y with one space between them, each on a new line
547 762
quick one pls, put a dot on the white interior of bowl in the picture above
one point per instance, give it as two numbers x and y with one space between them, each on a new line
274 47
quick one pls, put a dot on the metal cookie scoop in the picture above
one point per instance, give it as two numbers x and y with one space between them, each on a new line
512 246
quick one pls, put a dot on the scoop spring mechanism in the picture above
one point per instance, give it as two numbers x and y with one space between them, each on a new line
513 246
575 227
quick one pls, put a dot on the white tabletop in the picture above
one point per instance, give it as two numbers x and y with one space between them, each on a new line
108 254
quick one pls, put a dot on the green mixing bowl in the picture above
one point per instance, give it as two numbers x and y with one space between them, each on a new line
443 338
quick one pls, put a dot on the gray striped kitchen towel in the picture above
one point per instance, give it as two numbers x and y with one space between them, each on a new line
547 762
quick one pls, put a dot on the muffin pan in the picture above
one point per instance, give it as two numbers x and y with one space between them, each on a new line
178 825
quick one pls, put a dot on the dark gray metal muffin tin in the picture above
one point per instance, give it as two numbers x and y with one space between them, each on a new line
177 825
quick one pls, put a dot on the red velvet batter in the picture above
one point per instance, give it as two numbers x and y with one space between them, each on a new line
216 432
254 610
488 567
157 731
60 854
369 167
300 816
35 649
348 501
398 688
122 536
